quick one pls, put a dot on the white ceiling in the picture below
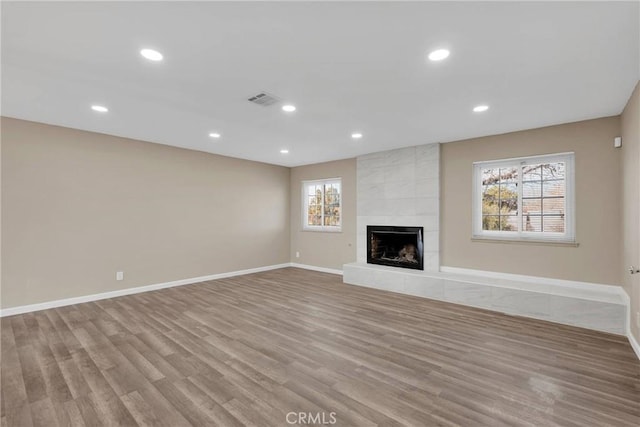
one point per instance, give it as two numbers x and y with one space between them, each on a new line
347 67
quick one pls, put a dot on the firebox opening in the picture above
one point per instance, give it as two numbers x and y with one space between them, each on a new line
395 246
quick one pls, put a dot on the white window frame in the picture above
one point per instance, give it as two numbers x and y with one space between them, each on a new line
569 236
305 205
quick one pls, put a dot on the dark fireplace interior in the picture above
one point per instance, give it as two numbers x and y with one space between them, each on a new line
395 246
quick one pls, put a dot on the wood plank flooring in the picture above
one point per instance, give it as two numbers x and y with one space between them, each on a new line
251 350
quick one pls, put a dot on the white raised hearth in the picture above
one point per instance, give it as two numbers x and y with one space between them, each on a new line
592 306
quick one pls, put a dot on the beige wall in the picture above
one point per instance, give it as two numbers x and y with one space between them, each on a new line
79 206
598 204
325 249
631 202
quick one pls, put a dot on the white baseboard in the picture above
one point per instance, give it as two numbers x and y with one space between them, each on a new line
129 291
634 344
315 268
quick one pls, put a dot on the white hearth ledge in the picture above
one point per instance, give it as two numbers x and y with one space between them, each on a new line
588 305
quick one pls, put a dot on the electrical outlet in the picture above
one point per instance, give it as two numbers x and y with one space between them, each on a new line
297 254
119 275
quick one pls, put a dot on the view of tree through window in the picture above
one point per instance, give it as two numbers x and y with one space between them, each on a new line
521 196
543 198
500 199
322 204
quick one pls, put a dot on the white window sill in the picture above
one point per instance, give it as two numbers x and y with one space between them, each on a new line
323 230
525 241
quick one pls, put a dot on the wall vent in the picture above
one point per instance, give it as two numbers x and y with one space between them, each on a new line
265 99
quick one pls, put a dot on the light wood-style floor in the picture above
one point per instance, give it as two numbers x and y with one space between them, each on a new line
251 349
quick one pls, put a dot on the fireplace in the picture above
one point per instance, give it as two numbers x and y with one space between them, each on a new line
395 246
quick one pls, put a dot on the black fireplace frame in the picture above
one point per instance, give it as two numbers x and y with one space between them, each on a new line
418 232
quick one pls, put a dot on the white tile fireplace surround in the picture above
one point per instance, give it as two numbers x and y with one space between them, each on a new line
401 188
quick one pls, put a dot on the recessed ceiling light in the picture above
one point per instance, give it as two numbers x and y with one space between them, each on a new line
439 55
289 108
151 55
480 108
214 135
99 108
284 151
356 135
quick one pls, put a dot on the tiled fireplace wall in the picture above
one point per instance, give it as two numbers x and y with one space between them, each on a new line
400 187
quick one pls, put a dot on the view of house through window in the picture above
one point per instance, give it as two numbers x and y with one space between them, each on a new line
322 204
525 198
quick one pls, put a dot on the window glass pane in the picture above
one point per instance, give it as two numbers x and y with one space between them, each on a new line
552 171
509 223
509 191
314 220
491 222
543 194
554 187
332 220
327 194
332 195
531 206
490 199
531 222
490 176
532 189
553 206
314 212
536 186
553 224
508 206
500 199
500 222
322 203
531 173
509 175
330 209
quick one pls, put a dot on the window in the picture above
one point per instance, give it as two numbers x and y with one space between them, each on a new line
321 201
529 198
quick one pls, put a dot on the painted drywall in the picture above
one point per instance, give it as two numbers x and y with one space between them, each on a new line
78 206
630 125
317 248
598 204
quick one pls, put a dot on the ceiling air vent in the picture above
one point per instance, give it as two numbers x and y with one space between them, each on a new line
264 99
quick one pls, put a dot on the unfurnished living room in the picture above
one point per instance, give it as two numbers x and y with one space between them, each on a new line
320 213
